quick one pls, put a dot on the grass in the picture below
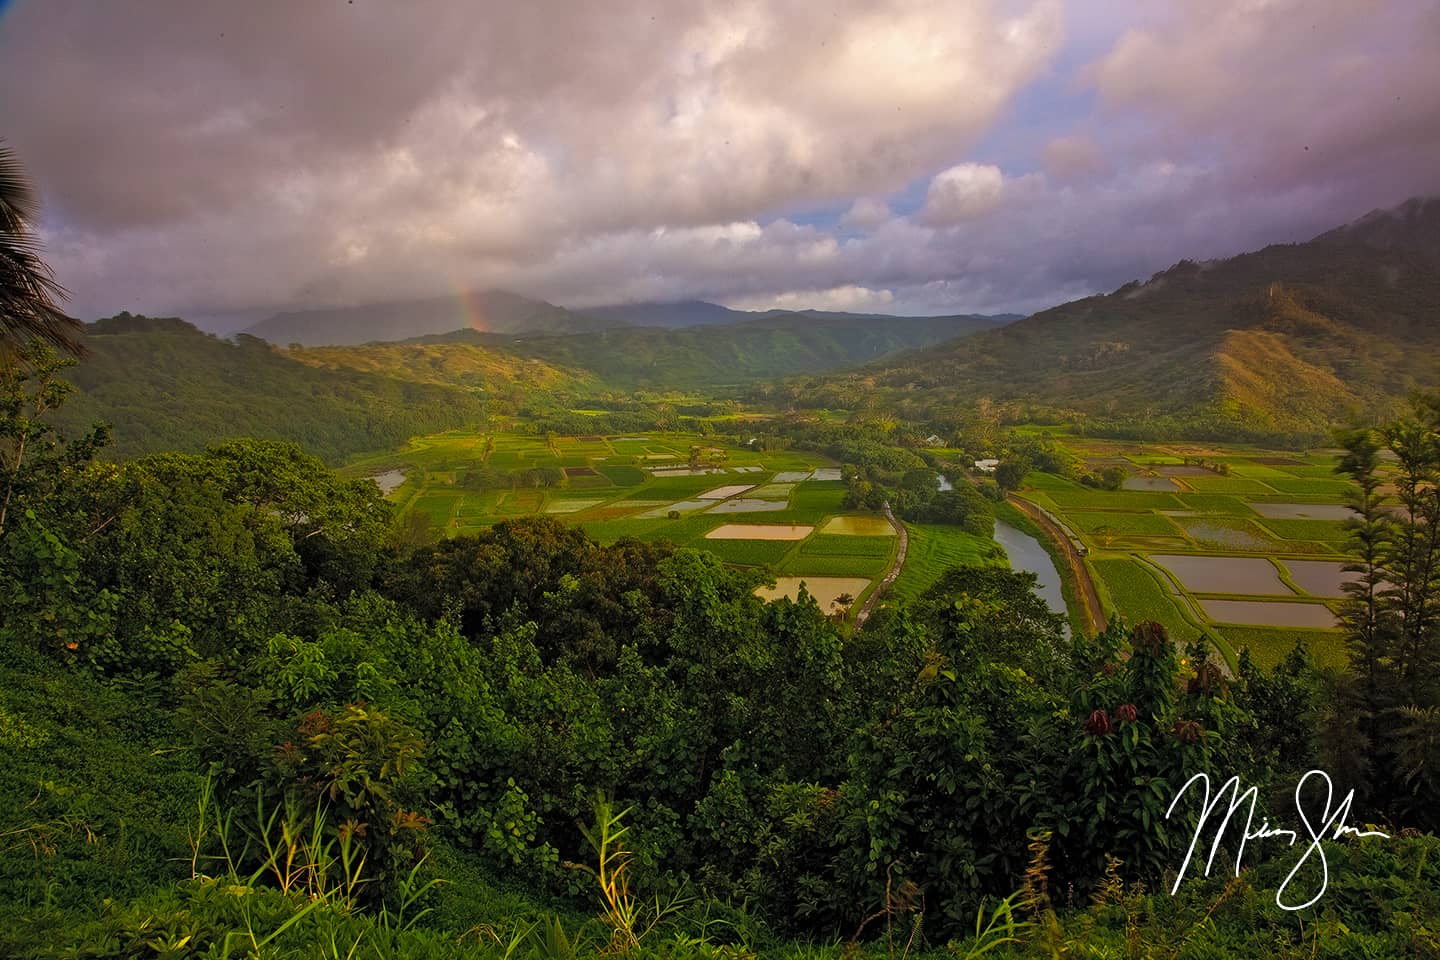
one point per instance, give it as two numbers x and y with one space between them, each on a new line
756 553
1270 645
1330 531
819 565
1123 524
827 545
934 549
1138 596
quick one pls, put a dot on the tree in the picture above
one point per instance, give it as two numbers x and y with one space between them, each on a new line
29 295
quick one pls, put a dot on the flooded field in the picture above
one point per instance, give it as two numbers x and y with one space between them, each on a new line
790 476
570 506
1226 533
824 589
684 506
1303 511
389 481
859 526
721 493
1270 613
1162 484
1323 578
1225 575
744 505
760 531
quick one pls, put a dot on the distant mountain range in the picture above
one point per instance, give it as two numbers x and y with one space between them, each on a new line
1294 337
502 312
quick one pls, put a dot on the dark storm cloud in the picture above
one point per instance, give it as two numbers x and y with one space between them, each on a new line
206 157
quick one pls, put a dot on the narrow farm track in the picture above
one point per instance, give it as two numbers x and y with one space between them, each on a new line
893 572
1091 611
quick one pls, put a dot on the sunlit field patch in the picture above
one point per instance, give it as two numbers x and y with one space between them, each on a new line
825 590
760 531
858 527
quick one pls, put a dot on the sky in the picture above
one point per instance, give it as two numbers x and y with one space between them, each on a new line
229 160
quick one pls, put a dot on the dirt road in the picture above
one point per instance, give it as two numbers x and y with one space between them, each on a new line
894 570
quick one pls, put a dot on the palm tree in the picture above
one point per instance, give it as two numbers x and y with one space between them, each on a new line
29 295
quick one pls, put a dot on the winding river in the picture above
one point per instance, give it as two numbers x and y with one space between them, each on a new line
1026 553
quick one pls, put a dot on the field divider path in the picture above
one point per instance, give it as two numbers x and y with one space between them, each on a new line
894 570
1090 607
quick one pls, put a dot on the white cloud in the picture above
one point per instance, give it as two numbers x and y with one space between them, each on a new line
964 192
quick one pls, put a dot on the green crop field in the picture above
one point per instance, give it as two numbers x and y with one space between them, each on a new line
618 487
1140 596
933 550
1211 513
1270 645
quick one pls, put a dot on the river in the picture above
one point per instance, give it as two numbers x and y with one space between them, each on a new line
1026 553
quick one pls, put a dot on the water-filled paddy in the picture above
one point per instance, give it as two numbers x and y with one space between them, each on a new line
684 506
746 505
389 481
774 491
1227 533
1271 613
1164 484
859 527
1303 511
721 493
1225 575
570 506
760 531
824 473
1323 578
823 589
790 476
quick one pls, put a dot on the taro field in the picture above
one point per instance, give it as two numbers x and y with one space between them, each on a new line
1240 545
776 511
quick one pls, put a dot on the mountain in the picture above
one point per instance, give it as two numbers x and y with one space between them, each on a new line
1291 338
164 385
496 311
734 354
678 313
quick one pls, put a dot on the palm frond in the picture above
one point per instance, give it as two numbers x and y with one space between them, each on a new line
30 297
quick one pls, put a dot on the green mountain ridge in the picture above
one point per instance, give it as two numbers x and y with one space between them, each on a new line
491 310
164 385
728 355
1292 337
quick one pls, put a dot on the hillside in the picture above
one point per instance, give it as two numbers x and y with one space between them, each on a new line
733 354
1291 337
164 385
494 311
678 313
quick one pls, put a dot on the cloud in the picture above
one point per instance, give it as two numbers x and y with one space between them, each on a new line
846 299
312 151
931 155
965 192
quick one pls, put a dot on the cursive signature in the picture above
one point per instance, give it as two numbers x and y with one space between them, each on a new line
1330 825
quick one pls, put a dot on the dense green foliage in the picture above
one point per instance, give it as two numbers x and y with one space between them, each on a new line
163 385
353 717
732 354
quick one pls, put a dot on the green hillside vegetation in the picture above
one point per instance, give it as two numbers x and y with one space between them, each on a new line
1284 342
493 372
732 354
163 385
